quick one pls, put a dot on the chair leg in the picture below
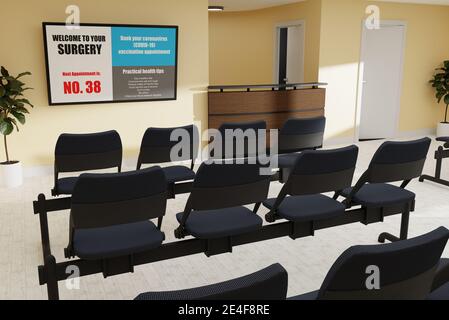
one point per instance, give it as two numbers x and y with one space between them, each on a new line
337 195
159 223
437 178
439 166
404 228
52 281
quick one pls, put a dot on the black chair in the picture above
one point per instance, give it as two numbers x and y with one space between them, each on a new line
85 152
298 135
407 271
248 147
440 287
215 209
441 154
110 214
268 284
315 172
156 148
393 162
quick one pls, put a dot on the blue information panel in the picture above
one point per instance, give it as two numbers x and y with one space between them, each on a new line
110 63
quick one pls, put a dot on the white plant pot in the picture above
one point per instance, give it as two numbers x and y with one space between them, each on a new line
443 130
11 175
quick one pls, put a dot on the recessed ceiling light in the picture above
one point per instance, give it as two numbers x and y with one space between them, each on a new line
216 8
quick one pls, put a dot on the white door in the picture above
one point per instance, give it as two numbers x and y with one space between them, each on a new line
295 55
382 56
289 67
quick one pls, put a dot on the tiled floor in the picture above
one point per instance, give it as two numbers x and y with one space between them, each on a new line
307 260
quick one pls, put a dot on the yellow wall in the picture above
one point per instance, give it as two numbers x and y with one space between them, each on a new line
22 49
426 48
241 51
242 43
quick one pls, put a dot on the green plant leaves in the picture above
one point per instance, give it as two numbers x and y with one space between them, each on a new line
12 108
4 72
22 102
15 84
19 116
3 103
23 74
6 127
22 110
440 82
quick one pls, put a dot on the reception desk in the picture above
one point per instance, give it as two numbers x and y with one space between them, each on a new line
274 104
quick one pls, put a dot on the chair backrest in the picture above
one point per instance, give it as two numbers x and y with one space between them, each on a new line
323 171
399 271
268 284
398 161
301 134
157 145
224 185
101 200
82 152
244 139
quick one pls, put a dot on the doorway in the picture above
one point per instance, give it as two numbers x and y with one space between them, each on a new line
289 53
381 65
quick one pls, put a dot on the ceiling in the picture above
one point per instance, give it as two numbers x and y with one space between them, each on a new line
242 5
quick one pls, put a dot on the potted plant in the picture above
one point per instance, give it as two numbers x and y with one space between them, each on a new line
440 82
12 113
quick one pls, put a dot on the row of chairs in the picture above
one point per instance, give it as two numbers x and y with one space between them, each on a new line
406 270
87 152
111 213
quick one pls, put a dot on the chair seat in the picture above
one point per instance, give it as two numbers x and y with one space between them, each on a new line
440 294
213 224
288 160
65 186
306 297
380 195
307 208
116 241
178 174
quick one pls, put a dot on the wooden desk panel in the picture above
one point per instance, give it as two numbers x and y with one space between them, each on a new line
274 121
275 107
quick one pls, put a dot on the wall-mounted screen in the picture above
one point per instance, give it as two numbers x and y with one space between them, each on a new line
99 63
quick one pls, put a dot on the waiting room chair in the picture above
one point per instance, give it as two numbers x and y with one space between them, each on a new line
84 152
441 154
110 214
314 173
156 148
215 208
268 284
248 147
393 162
409 270
440 286
298 135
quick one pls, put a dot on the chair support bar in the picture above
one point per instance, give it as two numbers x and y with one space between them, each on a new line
440 155
52 272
